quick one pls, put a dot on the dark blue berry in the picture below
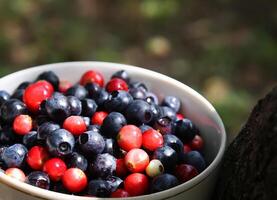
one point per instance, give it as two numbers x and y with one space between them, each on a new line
91 142
14 156
104 165
38 179
99 188
94 127
139 112
137 93
167 156
163 182
18 94
93 90
122 74
185 130
173 102
11 108
51 77
78 91
156 113
75 105
77 160
118 101
110 146
89 107
112 124
164 125
114 182
30 139
46 129
166 111
87 121
23 85
144 128
174 142
138 85
7 136
4 96
151 98
101 97
195 159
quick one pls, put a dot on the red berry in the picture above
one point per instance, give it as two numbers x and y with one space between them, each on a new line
180 116
120 193
129 137
55 168
185 172
116 84
16 173
136 184
92 77
197 143
152 139
121 169
74 180
64 86
75 124
36 157
22 124
136 160
186 148
99 117
35 93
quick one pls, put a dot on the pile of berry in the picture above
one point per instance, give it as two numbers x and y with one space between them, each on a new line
113 140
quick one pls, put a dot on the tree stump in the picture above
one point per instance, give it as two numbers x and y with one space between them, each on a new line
249 169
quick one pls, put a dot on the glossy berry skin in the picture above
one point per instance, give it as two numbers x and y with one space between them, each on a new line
93 90
129 137
197 143
139 85
152 139
7 136
154 168
75 105
89 107
16 173
112 124
185 130
114 182
163 125
136 160
136 184
104 165
78 91
120 193
74 180
116 84
87 121
118 101
64 85
98 117
99 188
166 111
46 129
51 77
4 96
173 102
185 172
12 108
75 125
91 142
36 93
195 159
14 156
38 179
36 157
173 142
122 74
101 97
22 124
57 107
138 112
30 139
121 169
55 168
92 76
144 128
151 98
60 143
167 156
111 146
95 128
137 93
76 160
18 94
163 182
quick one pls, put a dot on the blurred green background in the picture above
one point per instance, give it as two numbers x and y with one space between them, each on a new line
225 49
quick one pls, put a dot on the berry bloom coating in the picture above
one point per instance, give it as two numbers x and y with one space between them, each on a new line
74 180
136 160
22 124
92 77
16 173
136 184
55 168
152 139
36 157
116 84
120 193
98 117
185 172
197 143
64 85
75 125
129 137
121 169
154 168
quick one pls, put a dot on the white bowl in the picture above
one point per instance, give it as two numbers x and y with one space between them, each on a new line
194 106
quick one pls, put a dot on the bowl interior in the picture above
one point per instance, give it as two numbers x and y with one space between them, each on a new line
194 106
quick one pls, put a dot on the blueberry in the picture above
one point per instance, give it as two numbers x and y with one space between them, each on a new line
114 182
164 125
104 165
51 77
4 96
94 127
139 112
118 101
110 146
174 142
138 85
99 188
195 159
11 108
38 179
168 112
57 107
58 187
77 160
156 113
137 93
41 119
60 143
163 182
87 121
78 91
93 90
185 130
75 105
91 142
18 94
46 129
144 128
7 136
112 124
122 74
30 139
2 162
101 97
167 156
151 98
23 85
14 156
173 102
89 107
